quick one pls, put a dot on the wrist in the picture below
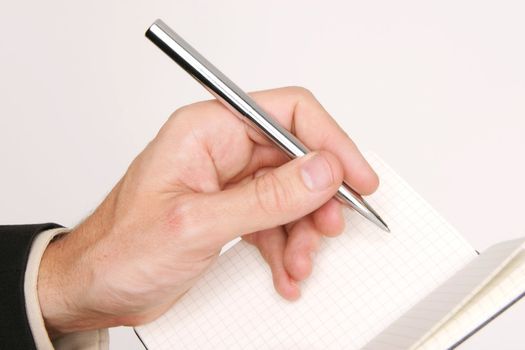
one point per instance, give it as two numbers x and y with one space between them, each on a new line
66 278
63 287
57 305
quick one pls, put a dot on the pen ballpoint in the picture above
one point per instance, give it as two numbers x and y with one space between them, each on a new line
245 107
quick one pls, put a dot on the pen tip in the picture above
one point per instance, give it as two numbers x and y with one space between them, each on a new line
373 216
381 223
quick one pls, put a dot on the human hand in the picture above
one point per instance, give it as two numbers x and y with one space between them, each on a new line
205 179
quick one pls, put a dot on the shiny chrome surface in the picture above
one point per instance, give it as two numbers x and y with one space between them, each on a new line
243 106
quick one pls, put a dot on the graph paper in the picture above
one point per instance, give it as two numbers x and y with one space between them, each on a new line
362 281
464 302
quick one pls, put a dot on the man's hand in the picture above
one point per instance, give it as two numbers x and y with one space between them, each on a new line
205 179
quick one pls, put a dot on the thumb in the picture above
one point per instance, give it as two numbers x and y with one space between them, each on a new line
277 197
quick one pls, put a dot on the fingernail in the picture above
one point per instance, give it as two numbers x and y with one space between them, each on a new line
316 173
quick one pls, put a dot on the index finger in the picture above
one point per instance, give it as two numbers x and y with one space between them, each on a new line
297 110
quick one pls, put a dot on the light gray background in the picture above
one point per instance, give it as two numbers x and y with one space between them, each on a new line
436 88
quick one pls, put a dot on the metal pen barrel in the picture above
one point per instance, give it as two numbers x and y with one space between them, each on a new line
243 106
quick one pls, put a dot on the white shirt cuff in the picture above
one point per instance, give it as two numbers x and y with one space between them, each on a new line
92 340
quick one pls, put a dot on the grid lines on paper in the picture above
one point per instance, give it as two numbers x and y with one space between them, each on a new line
362 281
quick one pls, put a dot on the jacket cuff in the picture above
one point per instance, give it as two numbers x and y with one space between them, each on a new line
93 340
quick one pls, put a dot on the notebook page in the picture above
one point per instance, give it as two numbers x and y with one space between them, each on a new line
469 285
506 288
362 281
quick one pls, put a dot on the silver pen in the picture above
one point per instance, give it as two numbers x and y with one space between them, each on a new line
245 107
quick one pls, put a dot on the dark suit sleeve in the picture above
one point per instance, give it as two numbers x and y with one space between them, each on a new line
15 244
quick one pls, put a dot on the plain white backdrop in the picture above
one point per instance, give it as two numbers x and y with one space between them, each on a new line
436 88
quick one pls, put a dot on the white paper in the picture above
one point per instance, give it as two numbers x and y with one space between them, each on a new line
362 281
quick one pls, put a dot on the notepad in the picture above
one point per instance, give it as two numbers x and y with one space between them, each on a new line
421 286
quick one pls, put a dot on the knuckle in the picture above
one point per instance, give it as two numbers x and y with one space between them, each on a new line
272 195
301 91
177 114
183 112
173 116
170 124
